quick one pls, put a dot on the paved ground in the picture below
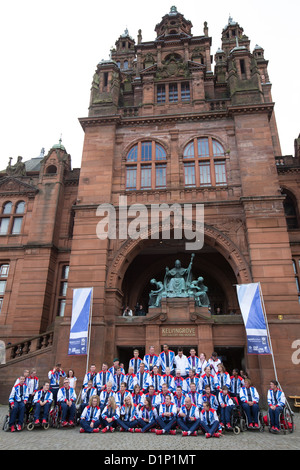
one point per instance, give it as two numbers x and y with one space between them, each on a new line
71 439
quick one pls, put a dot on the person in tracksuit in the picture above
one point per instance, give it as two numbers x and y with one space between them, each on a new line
54 376
66 397
226 406
188 418
167 417
209 421
128 415
147 416
90 417
17 401
42 401
276 401
250 399
109 415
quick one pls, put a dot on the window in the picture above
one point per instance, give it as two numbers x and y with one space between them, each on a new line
204 163
11 218
296 266
146 166
290 212
173 93
185 92
4 268
161 94
63 285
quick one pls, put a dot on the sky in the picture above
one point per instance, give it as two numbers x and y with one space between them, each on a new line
50 51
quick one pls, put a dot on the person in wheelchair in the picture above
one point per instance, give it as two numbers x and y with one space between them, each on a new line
42 401
250 399
17 401
276 403
66 397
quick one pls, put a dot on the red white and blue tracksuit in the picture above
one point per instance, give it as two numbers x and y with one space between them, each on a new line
209 421
193 363
169 380
118 379
157 382
41 396
120 397
235 386
86 394
222 378
89 376
17 400
131 381
54 377
250 394
180 382
101 380
207 380
104 395
108 412
150 361
195 380
167 422
147 418
191 420
90 414
64 395
195 397
213 401
144 380
138 398
135 362
167 360
128 417
277 399
226 406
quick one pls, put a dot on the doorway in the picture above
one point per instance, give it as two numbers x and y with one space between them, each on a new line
125 353
232 357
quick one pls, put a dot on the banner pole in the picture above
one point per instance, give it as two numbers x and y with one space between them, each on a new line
89 332
268 331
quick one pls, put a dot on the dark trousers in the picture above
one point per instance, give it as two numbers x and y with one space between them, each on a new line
68 410
166 423
146 426
17 413
210 428
44 410
86 425
225 414
251 412
127 424
113 424
191 426
274 416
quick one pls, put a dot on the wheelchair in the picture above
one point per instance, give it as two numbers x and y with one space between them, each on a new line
261 421
6 427
31 425
286 421
238 421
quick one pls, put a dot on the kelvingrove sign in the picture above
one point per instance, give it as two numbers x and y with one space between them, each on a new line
178 331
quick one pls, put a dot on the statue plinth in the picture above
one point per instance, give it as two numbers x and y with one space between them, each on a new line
179 309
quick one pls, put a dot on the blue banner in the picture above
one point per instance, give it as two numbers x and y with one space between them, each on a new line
79 331
253 315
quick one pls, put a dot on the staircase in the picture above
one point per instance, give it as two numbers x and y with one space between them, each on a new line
34 352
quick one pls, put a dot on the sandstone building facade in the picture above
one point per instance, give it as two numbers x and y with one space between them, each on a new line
168 123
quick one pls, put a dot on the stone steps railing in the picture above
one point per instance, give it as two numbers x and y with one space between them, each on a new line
28 346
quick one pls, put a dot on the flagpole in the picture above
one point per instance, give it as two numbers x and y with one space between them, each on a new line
268 331
89 332
270 343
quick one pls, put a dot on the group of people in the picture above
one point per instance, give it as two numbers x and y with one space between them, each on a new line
160 393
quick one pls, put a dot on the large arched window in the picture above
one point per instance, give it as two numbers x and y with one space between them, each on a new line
204 163
146 166
11 218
